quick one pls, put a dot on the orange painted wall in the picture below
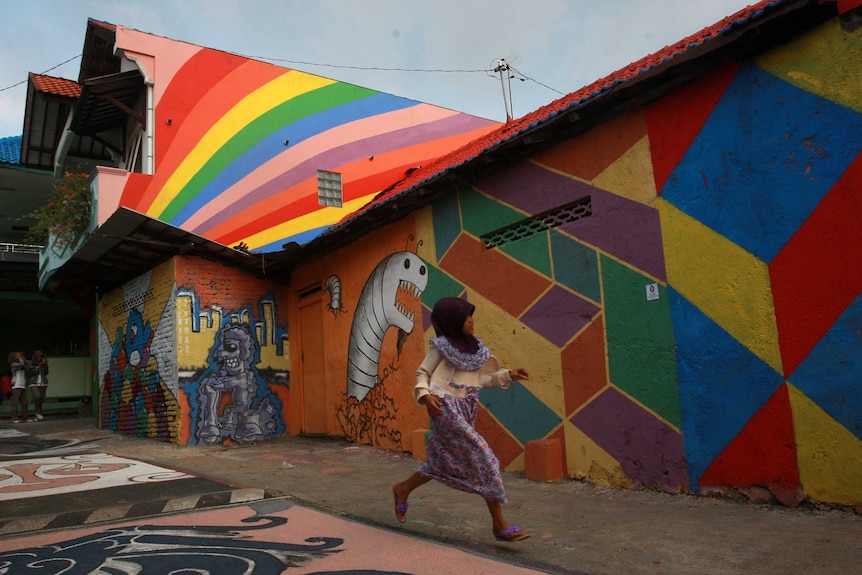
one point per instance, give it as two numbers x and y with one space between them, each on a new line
387 415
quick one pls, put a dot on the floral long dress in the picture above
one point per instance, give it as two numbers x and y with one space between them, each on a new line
457 455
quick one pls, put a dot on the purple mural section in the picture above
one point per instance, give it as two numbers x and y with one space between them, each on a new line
640 245
559 315
649 452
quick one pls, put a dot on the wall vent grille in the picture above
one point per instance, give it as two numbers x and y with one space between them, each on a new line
539 223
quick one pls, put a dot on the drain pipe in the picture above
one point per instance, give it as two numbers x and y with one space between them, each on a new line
63 147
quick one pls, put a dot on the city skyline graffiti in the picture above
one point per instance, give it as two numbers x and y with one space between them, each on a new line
235 382
231 399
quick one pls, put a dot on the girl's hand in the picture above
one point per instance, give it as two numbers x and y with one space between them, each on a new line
432 404
518 374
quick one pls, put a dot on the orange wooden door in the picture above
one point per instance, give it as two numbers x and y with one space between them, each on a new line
313 370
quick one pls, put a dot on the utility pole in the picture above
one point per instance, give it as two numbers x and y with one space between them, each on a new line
506 85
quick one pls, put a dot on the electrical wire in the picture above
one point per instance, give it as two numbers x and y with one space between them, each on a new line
487 71
535 81
368 68
45 72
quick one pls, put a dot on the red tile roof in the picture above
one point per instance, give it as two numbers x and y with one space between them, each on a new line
101 24
516 127
56 86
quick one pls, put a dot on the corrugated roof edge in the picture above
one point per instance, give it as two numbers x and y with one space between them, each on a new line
530 121
10 150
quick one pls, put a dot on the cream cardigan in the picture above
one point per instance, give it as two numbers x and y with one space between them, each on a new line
435 374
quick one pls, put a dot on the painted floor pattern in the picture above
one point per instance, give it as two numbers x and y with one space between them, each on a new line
261 538
57 484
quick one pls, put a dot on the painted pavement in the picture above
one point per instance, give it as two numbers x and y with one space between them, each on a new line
58 483
263 538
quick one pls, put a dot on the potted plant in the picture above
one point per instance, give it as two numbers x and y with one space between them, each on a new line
66 215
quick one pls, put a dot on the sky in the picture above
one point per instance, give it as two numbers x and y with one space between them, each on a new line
442 52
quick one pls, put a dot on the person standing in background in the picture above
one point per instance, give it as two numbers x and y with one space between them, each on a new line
6 386
38 382
20 367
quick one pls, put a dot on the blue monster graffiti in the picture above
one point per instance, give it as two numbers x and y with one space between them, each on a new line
133 398
233 400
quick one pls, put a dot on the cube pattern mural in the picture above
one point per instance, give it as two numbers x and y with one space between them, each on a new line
703 321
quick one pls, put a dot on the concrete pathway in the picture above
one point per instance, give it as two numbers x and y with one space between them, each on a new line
577 528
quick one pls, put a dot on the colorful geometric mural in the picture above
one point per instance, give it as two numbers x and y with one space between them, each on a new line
235 134
560 301
760 211
699 328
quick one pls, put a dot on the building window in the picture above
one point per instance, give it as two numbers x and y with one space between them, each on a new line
329 188
539 223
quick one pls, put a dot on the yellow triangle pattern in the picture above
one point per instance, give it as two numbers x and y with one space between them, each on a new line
727 283
816 62
829 456
586 460
630 176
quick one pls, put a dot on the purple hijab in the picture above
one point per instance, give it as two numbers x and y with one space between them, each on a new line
448 317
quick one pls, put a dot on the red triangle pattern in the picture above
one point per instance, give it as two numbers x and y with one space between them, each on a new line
763 453
505 447
673 122
821 258
587 156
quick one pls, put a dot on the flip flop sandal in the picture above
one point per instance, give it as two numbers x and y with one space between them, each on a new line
400 509
513 533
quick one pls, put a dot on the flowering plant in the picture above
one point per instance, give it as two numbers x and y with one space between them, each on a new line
67 213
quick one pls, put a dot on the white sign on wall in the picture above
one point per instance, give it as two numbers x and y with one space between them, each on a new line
651 292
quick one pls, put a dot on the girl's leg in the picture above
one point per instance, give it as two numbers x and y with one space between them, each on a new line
500 524
16 404
402 490
496 510
38 392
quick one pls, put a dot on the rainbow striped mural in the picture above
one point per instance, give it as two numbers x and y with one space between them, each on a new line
238 143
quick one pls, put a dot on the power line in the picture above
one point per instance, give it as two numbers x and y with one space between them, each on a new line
368 68
45 72
525 77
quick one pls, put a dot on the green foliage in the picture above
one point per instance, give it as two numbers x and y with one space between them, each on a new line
67 213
